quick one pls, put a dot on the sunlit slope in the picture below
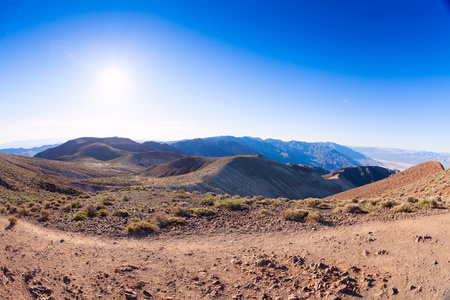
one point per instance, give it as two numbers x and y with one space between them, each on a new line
243 175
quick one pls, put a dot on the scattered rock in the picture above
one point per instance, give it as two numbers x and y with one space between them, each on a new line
40 291
147 294
130 294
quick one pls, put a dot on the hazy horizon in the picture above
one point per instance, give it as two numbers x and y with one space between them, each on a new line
369 74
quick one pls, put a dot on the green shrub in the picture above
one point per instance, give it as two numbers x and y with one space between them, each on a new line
202 211
177 220
125 198
99 205
79 223
294 214
121 213
142 226
80 216
75 204
208 201
103 212
413 200
431 203
231 204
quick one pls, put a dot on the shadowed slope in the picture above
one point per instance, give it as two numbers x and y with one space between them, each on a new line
349 178
24 177
147 159
394 182
243 175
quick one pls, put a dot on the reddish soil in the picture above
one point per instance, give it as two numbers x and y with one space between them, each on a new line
393 182
404 259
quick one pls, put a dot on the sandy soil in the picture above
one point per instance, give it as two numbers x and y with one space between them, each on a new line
399 259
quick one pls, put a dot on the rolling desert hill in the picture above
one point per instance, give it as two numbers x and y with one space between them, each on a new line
349 178
243 175
98 148
147 159
393 182
25 178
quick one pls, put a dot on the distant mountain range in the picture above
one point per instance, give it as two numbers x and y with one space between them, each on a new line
324 155
238 166
27 151
402 159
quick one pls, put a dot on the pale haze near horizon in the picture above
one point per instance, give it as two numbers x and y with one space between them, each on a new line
366 74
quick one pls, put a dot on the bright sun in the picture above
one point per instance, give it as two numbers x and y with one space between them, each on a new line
113 82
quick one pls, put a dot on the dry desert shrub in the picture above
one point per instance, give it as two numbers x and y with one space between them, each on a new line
387 204
141 226
126 198
403 208
161 220
36 208
44 216
294 214
2 210
431 203
91 211
181 212
313 202
121 213
278 201
314 216
353 208
22 211
12 221
262 213
67 207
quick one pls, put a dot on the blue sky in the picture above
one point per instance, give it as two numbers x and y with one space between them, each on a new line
365 73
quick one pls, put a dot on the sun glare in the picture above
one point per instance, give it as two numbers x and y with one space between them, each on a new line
113 82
